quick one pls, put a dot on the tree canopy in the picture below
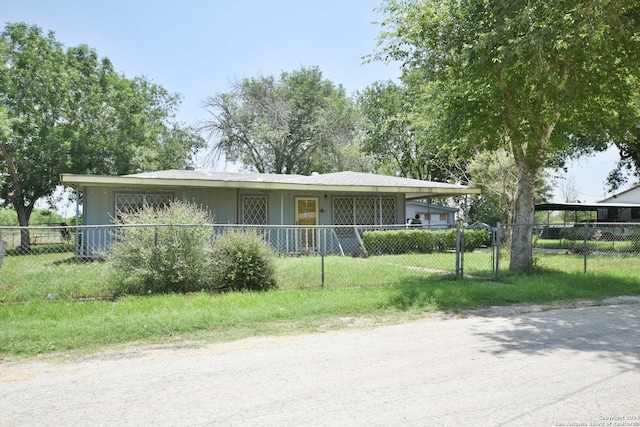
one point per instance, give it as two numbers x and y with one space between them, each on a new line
529 76
65 110
389 134
496 173
296 124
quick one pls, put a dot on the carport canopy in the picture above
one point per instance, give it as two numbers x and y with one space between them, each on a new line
576 206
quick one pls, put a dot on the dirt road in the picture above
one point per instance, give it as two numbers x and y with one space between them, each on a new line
578 366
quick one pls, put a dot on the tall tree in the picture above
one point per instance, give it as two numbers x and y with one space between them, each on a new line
389 135
402 132
295 124
67 111
525 75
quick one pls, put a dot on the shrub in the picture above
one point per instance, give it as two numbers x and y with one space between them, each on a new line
402 241
419 241
474 238
242 261
165 258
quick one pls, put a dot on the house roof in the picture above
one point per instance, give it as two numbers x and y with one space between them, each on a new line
338 181
432 206
633 193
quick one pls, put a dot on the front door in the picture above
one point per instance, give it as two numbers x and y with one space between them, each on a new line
307 216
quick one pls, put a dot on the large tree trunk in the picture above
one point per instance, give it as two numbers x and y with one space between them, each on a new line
530 158
24 213
521 238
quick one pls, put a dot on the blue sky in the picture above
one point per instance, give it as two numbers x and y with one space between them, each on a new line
197 47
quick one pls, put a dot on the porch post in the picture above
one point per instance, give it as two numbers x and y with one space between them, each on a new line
77 240
282 208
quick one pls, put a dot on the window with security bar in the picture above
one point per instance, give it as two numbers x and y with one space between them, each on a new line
363 211
254 210
130 203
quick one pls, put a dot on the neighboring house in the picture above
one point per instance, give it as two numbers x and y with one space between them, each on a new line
625 207
342 198
621 207
431 215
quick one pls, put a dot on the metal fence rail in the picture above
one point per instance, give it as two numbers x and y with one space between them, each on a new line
402 244
564 247
575 246
93 241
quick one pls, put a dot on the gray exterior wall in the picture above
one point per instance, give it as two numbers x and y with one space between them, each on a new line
225 205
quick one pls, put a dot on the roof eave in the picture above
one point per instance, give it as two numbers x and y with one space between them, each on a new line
132 181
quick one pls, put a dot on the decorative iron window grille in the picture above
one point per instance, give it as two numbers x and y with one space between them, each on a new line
364 211
254 210
130 203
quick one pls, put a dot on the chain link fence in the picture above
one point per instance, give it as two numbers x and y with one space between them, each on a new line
313 257
418 249
575 247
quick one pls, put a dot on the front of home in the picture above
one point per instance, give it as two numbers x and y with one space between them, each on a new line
337 199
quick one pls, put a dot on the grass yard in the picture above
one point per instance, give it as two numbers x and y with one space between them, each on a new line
52 305
592 245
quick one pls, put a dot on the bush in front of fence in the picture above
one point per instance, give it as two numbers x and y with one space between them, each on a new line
419 241
242 261
476 238
166 258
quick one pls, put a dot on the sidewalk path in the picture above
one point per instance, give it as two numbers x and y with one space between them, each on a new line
578 366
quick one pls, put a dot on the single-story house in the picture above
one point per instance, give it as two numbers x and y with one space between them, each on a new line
621 207
341 198
431 215
627 206
618 209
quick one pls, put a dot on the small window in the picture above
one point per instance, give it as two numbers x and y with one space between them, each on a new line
254 210
443 217
635 213
131 203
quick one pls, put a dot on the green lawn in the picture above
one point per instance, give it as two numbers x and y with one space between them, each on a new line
592 245
50 304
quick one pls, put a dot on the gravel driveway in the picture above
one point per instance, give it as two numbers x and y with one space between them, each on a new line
577 366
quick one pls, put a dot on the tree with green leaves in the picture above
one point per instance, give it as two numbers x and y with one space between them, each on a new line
402 133
68 111
296 124
527 76
389 135
497 175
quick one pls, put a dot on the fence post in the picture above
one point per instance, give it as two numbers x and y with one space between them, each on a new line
498 245
462 244
323 249
584 247
155 257
458 256
492 245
